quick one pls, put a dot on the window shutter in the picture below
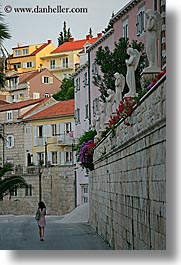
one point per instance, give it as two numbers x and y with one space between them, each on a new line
35 135
62 128
35 158
47 130
73 126
137 24
49 157
62 158
58 158
42 79
12 141
51 80
24 65
32 64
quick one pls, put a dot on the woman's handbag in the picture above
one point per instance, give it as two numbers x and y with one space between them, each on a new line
37 216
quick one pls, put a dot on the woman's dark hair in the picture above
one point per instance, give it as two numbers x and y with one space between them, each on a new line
41 205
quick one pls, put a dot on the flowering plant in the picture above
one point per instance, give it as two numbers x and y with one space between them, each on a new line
124 110
154 81
86 154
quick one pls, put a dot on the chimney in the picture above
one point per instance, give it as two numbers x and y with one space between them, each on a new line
71 39
88 37
49 41
99 35
19 44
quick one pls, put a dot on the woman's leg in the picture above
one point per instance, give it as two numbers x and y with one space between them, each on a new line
40 231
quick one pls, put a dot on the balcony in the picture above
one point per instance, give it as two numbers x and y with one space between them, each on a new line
62 139
65 139
61 67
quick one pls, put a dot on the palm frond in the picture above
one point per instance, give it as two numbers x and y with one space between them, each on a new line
9 183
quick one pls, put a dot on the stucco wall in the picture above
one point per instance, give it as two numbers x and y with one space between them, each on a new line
127 189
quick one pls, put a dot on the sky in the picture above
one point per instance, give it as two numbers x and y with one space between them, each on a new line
34 28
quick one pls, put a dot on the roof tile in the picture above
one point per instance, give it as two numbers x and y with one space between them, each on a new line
20 104
74 45
62 108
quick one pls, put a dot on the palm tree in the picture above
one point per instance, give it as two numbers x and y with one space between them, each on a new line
7 184
4 34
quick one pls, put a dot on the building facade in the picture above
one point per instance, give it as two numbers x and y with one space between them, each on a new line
35 84
53 134
14 148
64 60
29 57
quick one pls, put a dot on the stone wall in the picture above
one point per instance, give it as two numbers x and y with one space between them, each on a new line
58 192
128 186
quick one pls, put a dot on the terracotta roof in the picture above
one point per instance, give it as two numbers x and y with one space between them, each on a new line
62 108
40 48
74 45
20 104
25 77
3 102
35 107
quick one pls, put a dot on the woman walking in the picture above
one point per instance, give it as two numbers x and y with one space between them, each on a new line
40 217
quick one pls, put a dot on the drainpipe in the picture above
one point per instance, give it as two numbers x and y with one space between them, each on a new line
89 100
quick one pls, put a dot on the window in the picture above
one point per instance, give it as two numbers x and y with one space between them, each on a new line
95 105
85 189
68 127
125 28
17 52
14 192
28 190
86 111
21 96
40 131
52 64
28 64
77 115
65 62
140 25
68 157
10 141
47 95
17 65
85 200
9 115
54 129
41 157
77 84
54 158
36 95
155 5
25 51
47 80
85 80
94 69
13 83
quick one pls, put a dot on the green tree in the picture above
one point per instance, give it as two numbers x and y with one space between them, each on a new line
67 90
4 34
64 35
111 62
8 183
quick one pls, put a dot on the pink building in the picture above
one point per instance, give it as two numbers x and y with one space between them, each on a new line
31 85
129 22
